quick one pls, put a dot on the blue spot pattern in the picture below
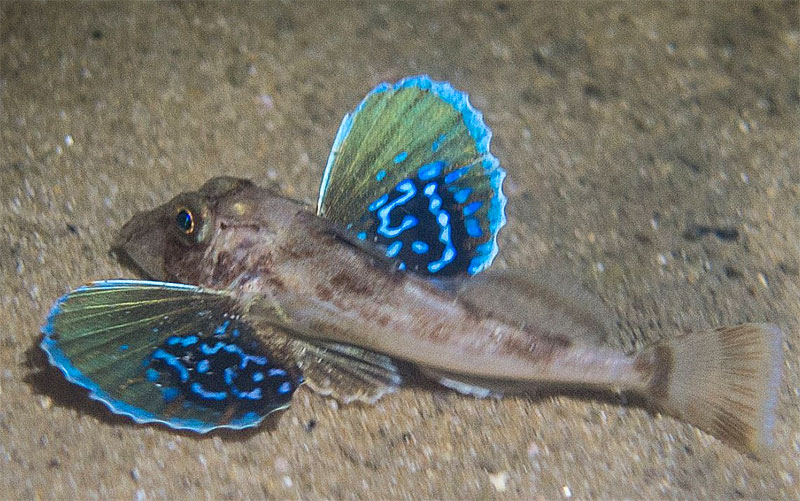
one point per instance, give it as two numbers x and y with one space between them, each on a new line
438 143
441 194
424 222
202 367
225 369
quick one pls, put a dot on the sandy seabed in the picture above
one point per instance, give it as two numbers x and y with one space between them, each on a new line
652 151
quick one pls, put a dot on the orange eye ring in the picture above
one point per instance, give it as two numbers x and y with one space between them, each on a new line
185 220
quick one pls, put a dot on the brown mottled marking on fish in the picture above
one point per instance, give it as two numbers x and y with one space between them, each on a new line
264 264
276 283
656 365
299 251
227 268
556 340
352 282
289 268
538 349
222 266
440 334
323 292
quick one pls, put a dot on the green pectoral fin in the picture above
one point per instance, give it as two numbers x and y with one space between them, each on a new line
169 353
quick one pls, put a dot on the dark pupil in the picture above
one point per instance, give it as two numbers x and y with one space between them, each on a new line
184 221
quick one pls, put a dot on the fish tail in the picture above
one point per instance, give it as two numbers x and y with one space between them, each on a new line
724 381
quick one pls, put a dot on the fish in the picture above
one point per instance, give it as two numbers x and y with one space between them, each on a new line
251 294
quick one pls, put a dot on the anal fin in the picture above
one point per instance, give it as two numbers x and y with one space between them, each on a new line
464 385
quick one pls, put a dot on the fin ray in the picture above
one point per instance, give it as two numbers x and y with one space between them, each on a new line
402 169
348 373
543 300
723 381
168 353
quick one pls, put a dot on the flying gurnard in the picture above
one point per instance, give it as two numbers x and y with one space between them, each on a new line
253 294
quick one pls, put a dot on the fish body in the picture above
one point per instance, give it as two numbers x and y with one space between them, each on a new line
254 294
300 272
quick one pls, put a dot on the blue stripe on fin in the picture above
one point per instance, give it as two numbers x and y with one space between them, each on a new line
423 144
163 377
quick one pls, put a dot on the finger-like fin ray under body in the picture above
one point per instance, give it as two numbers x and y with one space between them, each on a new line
347 373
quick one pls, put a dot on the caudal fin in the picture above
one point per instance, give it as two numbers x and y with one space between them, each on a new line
724 381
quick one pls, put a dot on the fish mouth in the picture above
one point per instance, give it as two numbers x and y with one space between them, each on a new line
140 245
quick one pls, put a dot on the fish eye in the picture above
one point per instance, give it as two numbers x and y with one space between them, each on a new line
188 219
185 221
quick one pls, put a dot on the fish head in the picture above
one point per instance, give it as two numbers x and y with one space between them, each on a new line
178 240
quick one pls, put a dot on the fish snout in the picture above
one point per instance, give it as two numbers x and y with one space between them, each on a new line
141 242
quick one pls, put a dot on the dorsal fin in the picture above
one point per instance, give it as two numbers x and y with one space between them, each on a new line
546 301
410 169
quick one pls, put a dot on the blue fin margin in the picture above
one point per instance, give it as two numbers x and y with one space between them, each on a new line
60 360
478 130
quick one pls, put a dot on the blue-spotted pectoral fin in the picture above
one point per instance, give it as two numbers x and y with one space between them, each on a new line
410 169
167 353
